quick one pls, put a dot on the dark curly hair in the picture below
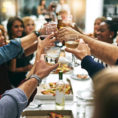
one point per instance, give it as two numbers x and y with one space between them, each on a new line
113 26
10 23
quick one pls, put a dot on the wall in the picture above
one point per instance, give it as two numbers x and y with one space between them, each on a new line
94 9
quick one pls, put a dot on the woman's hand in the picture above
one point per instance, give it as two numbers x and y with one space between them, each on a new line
81 51
47 42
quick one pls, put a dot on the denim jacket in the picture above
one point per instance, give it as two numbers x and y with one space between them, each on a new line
10 51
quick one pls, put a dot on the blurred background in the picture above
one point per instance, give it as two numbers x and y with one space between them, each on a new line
84 12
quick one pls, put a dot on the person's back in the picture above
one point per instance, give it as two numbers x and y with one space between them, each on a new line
106 93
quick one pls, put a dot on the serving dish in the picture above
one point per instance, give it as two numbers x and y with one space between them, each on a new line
47 91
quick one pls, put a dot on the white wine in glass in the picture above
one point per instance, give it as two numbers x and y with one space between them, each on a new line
71 44
52 55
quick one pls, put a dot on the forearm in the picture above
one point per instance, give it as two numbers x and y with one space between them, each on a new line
29 86
104 51
91 66
28 40
31 49
12 103
10 51
21 69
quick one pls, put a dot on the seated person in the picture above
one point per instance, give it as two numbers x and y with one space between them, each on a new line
42 8
29 25
96 26
105 93
62 6
16 99
102 50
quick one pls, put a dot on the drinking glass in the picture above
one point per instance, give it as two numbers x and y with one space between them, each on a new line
49 28
72 43
52 55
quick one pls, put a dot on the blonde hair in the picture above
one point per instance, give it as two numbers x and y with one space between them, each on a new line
27 19
106 93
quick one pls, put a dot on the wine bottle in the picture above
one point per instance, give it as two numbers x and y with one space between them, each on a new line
60 93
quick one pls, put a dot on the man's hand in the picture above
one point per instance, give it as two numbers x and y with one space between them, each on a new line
81 51
66 33
42 69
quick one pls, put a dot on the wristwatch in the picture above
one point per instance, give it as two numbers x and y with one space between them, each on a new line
36 33
36 77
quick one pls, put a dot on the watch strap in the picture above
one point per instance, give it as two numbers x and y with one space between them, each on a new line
36 77
36 33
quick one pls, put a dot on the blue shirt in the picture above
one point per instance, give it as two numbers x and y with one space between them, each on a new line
10 51
12 103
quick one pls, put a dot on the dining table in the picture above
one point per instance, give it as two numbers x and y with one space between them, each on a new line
81 102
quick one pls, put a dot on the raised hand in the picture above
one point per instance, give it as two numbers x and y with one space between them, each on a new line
66 32
81 51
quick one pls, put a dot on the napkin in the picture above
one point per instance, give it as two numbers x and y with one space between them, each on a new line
63 60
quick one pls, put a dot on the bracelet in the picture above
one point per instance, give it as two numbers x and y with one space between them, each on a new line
36 33
36 77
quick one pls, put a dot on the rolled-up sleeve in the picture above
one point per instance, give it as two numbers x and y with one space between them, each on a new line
11 50
12 103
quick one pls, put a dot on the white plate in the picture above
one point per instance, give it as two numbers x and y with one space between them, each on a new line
74 76
41 96
85 95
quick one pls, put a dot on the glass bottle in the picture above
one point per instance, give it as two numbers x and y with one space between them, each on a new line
60 22
60 93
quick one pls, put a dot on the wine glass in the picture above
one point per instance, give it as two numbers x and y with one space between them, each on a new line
72 43
52 55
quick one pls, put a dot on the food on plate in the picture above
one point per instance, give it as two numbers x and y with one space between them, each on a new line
49 92
67 89
82 76
52 84
55 115
51 89
63 67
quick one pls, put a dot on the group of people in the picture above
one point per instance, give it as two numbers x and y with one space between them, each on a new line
16 53
53 10
14 70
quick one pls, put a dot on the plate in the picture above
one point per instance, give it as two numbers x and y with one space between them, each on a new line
65 68
48 91
81 77
45 113
85 95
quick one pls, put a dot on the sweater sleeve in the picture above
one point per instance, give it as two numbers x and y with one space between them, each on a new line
91 66
11 50
12 103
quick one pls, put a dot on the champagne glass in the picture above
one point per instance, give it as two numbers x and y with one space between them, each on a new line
72 43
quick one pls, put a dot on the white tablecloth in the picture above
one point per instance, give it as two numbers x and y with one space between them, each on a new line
81 108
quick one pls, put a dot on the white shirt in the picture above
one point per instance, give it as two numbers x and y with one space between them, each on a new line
62 7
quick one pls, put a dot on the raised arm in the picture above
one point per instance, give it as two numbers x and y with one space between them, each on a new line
16 99
104 51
